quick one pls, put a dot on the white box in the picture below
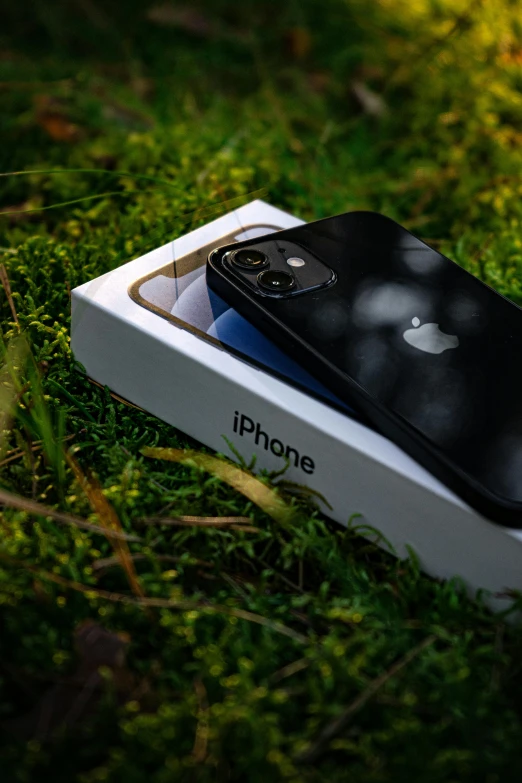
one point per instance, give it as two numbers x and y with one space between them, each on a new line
124 333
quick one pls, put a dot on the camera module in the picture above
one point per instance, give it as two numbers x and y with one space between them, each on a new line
276 281
249 259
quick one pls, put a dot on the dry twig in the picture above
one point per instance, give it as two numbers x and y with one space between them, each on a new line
199 750
15 454
184 605
4 279
107 562
116 396
189 521
251 487
339 723
40 510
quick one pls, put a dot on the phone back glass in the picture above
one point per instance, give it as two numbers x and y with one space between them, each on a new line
417 334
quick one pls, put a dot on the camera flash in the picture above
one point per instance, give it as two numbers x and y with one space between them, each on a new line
295 261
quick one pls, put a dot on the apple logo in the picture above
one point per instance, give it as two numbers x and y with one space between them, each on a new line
429 338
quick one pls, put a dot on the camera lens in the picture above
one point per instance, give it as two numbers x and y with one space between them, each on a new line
249 259
276 281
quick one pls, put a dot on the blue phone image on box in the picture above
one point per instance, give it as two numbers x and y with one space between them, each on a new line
179 293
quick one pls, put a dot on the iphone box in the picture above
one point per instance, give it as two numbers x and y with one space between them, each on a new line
154 333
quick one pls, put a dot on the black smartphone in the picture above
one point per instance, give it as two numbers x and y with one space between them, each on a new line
428 354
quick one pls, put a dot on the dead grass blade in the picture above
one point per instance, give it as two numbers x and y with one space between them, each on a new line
184 605
4 279
15 454
339 723
115 396
16 356
40 510
189 521
107 562
109 520
248 485
289 670
199 751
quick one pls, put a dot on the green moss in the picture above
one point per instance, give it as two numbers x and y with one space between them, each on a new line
158 127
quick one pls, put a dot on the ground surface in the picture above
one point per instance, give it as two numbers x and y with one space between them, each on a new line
288 650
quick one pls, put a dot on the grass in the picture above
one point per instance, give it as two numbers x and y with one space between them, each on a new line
156 622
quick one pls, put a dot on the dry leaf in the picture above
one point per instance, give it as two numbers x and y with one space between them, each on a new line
58 127
52 117
298 42
251 487
511 57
